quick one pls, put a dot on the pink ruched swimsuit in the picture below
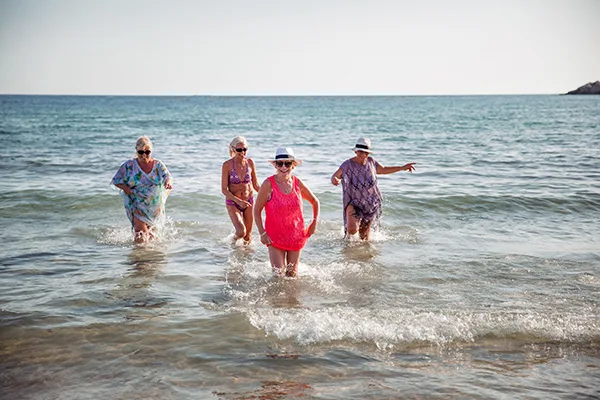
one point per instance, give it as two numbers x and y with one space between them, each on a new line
284 222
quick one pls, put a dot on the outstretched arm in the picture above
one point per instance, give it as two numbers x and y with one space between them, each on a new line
308 195
390 170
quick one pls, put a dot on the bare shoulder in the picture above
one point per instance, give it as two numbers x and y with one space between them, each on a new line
300 183
227 163
266 183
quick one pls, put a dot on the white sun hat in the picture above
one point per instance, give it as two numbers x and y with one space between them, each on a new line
363 144
285 154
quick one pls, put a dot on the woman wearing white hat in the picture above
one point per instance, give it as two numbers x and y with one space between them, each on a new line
281 196
361 195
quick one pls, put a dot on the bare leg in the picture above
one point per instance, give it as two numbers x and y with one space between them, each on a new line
277 258
141 231
352 223
248 222
364 232
293 258
284 262
236 218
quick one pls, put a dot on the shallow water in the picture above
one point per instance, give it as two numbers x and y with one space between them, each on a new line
483 282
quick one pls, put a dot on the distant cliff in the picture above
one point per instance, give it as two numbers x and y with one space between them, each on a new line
588 88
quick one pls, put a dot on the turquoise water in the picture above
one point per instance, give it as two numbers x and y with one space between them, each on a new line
483 283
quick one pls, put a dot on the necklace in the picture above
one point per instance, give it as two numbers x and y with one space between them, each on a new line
285 185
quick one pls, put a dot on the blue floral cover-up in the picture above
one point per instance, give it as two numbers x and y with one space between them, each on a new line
148 197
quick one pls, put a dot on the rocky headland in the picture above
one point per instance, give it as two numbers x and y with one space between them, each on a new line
588 88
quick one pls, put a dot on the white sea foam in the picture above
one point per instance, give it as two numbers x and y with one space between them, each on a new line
392 327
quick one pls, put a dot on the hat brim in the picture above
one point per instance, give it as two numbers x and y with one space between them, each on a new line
359 149
297 161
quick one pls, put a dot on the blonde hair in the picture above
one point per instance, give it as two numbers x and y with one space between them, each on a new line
142 141
234 142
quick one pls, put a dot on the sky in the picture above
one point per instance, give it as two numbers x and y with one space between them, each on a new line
298 47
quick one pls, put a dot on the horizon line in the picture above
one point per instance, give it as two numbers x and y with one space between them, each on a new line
277 95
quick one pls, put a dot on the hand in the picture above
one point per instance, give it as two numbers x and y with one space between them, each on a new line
168 184
244 204
409 167
312 228
265 239
335 180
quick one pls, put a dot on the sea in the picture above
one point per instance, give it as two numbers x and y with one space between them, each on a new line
482 283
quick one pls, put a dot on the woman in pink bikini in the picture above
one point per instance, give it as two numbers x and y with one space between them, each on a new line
238 179
281 196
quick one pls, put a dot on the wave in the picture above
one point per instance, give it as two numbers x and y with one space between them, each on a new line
391 328
349 302
468 204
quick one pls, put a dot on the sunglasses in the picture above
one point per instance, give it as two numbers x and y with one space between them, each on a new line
241 149
146 152
288 164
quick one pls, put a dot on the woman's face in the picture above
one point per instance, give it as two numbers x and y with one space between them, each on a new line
285 167
144 152
361 155
241 149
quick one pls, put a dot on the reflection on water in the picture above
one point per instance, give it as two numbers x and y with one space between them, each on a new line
359 250
135 289
271 390
284 293
145 261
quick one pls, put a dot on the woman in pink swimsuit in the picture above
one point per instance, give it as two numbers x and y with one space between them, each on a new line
281 196
238 178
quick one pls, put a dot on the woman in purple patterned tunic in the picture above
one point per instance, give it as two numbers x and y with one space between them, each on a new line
362 198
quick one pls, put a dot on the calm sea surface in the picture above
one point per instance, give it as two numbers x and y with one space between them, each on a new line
484 282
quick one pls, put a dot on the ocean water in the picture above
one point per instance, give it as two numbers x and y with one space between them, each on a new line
484 282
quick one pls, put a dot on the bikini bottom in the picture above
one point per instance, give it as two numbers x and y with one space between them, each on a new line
233 203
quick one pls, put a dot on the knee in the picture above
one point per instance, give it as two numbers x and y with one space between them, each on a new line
240 232
352 230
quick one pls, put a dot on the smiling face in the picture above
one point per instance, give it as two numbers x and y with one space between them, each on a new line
361 156
284 167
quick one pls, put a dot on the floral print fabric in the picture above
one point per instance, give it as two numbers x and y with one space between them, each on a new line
360 189
148 197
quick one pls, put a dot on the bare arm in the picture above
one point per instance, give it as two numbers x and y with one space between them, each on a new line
390 170
261 199
308 195
336 177
255 184
125 188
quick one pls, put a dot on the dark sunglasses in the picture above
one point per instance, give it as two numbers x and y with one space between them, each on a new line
288 164
242 149
146 152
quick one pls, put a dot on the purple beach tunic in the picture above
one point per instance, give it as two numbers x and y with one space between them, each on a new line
360 189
